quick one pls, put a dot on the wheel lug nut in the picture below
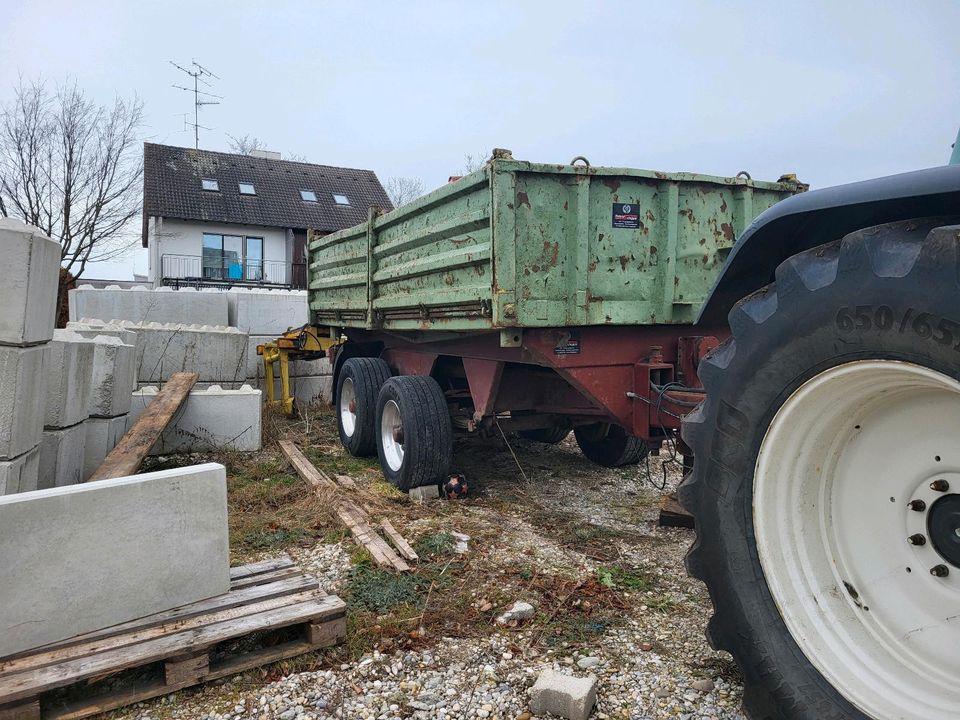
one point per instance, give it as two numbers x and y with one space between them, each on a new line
939 571
918 505
917 539
940 485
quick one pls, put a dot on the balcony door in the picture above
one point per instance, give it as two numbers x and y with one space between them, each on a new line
254 259
222 257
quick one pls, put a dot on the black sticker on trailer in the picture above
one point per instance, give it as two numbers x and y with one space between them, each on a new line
568 344
626 215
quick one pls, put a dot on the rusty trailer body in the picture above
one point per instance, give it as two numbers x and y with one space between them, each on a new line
542 296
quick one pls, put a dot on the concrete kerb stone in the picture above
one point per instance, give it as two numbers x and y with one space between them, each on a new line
142 304
216 353
564 695
22 398
28 293
85 557
101 436
210 419
61 456
69 371
19 474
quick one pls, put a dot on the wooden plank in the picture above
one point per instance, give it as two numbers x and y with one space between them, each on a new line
186 669
265 578
134 446
399 541
353 517
30 683
673 514
327 633
28 710
258 568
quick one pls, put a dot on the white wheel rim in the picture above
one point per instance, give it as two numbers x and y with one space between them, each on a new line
348 407
391 435
834 548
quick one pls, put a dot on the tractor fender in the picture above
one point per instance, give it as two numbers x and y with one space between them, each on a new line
813 218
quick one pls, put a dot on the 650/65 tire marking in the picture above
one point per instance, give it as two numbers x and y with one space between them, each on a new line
881 317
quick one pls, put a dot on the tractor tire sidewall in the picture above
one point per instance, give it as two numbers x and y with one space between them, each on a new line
427 431
884 279
547 436
368 375
616 449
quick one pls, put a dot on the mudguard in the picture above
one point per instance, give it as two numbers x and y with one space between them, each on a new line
821 216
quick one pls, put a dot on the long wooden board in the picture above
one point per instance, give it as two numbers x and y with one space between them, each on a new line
134 446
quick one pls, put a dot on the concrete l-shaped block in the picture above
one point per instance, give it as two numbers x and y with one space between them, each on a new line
68 372
22 398
28 293
141 304
85 557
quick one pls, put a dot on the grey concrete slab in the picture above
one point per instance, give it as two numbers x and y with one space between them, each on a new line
20 473
61 456
141 304
113 375
85 557
102 435
267 312
22 398
217 354
68 372
28 284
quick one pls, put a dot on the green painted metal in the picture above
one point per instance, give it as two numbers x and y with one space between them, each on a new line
519 244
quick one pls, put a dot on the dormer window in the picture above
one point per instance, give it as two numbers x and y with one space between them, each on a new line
341 199
247 189
308 196
210 184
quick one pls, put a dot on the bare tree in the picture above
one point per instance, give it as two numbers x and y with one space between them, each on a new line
472 163
246 144
73 168
402 190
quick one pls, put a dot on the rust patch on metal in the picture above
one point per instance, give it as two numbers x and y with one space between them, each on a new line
593 265
462 241
612 183
523 199
624 261
728 231
554 251
653 249
566 205
676 281
723 205
650 216
510 205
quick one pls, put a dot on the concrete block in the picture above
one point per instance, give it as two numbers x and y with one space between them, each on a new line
85 557
61 456
563 695
424 493
211 419
22 398
19 474
267 312
90 329
217 354
28 284
143 305
113 376
102 435
68 371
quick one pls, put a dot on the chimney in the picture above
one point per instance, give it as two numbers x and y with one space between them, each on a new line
267 154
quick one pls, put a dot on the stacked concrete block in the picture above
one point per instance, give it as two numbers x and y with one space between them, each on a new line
141 304
91 328
101 435
211 419
217 354
62 456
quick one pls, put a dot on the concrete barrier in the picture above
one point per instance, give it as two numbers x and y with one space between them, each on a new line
141 304
101 436
113 375
217 354
85 557
68 372
61 456
19 474
267 312
211 419
28 293
22 398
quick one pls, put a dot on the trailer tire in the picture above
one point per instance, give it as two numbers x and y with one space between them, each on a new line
358 385
547 436
822 384
414 436
609 445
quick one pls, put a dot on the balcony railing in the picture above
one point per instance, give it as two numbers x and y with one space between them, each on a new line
198 271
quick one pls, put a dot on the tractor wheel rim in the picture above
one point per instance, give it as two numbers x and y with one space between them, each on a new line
348 405
837 526
391 435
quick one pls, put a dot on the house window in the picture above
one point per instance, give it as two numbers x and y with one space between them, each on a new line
210 184
341 199
254 258
247 189
222 257
308 196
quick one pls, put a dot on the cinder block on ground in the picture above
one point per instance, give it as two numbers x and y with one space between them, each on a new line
28 284
85 557
22 398
102 435
19 475
564 695
68 371
424 493
141 304
217 354
211 419
61 456
267 312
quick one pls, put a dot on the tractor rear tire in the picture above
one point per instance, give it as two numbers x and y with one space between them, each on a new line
358 385
609 445
829 425
547 436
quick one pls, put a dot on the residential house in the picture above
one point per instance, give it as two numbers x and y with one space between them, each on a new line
223 220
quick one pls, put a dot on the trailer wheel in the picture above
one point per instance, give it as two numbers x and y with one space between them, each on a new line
826 478
358 384
548 436
609 445
414 437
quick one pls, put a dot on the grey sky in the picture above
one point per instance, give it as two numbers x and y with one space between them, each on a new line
834 91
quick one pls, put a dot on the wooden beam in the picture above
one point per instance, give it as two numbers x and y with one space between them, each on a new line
399 541
134 446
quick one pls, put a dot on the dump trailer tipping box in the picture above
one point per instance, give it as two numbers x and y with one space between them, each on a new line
520 244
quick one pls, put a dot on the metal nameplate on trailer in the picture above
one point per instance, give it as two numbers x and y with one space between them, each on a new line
568 344
626 215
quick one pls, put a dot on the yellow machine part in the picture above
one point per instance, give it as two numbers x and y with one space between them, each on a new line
306 340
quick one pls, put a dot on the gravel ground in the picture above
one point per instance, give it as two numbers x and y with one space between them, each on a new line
652 663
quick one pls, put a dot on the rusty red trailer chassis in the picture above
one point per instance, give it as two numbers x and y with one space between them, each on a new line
532 378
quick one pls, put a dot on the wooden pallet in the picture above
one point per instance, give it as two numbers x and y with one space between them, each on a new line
273 611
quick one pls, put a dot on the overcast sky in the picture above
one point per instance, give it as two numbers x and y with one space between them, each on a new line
834 91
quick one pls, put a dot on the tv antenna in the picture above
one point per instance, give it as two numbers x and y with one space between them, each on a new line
199 74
